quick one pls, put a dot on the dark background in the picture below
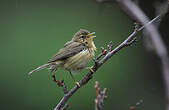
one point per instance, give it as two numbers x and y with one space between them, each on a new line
31 32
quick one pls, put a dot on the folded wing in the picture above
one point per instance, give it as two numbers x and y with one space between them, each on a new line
68 51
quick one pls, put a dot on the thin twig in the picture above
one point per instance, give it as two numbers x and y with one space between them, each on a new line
60 84
102 53
65 107
64 87
100 97
110 46
159 47
86 78
56 81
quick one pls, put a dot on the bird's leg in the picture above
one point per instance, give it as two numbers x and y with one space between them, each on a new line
54 79
90 68
77 83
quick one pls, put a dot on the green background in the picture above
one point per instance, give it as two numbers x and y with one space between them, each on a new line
31 32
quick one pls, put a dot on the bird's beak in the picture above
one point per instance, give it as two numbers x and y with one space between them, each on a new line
91 35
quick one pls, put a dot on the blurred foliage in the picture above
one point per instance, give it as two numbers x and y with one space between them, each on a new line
33 31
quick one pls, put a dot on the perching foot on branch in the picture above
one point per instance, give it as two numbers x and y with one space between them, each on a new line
60 84
98 64
91 69
77 83
56 81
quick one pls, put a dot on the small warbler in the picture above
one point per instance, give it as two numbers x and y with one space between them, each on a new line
74 56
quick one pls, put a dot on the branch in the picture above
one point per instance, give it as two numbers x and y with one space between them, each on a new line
159 47
100 96
65 107
60 84
63 85
65 91
128 41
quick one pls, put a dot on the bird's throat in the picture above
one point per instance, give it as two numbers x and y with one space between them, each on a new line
91 46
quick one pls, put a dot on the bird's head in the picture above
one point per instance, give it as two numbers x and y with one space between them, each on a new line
85 37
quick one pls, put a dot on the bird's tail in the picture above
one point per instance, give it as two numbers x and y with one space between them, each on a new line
39 68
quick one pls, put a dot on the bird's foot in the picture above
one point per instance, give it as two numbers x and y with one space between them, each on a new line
56 81
77 83
91 69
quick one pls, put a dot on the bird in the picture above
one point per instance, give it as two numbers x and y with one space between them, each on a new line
74 56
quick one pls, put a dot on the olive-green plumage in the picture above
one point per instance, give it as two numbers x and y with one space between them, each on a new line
75 54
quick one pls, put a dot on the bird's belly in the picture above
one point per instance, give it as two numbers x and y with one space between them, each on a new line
78 62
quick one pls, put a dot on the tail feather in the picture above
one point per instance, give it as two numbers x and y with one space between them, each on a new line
39 68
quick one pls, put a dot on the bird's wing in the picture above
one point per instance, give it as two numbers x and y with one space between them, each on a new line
68 43
68 51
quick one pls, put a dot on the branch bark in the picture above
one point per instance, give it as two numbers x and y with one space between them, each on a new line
159 47
100 97
128 41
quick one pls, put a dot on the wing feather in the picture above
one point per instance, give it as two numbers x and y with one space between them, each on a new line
68 51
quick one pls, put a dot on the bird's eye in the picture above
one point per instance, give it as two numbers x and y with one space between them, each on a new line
82 36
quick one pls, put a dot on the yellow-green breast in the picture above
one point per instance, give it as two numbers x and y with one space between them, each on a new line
79 61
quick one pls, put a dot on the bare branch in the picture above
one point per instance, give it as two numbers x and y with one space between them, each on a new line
64 87
65 107
85 79
100 97
60 84
110 46
102 53
56 81
160 49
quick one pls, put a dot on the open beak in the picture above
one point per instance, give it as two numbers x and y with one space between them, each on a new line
91 35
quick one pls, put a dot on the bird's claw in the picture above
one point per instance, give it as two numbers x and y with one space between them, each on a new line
91 69
77 83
